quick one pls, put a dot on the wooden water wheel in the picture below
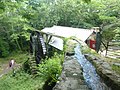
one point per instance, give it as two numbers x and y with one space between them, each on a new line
37 50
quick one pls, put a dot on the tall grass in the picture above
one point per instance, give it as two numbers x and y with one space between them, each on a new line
22 81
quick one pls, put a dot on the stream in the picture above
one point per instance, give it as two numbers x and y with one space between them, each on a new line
92 79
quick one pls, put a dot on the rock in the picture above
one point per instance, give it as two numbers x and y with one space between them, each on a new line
116 64
106 65
107 72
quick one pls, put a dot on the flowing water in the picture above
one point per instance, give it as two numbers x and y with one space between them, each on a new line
91 77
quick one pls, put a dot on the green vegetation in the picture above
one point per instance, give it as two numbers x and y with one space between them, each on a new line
19 57
4 48
116 69
86 50
19 17
51 68
22 81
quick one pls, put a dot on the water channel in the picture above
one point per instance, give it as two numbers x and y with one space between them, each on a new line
92 79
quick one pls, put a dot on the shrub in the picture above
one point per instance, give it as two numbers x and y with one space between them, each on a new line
4 48
51 68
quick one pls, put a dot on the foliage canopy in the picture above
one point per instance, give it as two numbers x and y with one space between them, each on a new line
18 17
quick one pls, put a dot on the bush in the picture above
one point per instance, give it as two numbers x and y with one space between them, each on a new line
51 68
4 48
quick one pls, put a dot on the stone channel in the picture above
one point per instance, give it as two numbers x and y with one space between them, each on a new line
91 77
86 71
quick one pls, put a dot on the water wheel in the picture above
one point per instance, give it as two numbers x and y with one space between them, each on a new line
37 49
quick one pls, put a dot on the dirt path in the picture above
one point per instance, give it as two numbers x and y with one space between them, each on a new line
4 68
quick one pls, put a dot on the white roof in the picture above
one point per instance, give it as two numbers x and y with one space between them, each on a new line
79 33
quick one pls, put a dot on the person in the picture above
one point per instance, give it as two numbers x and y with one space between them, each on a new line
11 65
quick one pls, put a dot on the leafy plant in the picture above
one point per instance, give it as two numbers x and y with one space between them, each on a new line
4 48
51 68
21 81
116 68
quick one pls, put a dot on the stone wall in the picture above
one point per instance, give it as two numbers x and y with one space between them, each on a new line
103 68
105 71
71 77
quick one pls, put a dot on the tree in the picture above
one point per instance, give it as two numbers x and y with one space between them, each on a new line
109 21
13 26
18 17
109 33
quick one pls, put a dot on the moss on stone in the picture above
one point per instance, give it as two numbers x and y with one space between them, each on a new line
116 69
70 45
